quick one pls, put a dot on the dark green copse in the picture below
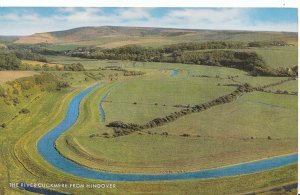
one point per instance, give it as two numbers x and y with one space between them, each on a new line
9 61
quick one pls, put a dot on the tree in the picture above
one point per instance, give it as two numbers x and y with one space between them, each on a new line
9 62
74 67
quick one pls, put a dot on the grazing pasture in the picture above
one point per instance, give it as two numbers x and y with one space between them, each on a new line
226 139
276 57
256 124
88 64
227 134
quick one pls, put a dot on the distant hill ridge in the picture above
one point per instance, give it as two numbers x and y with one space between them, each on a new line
117 33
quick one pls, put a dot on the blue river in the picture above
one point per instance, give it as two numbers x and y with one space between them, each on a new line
101 109
174 72
48 151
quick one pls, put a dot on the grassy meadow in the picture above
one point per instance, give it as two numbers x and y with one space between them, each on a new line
255 126
279 56
146 153
89 64
219 142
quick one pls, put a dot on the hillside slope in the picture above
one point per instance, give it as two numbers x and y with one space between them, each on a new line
114 36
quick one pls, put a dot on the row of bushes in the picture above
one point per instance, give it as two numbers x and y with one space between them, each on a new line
285 92
277 83
267 43
279 72
125 72
133 73
120 128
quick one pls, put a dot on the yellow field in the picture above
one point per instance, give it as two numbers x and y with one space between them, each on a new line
12 75
34 63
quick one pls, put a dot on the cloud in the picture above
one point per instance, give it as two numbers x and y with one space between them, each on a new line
207 15
133 13
22 21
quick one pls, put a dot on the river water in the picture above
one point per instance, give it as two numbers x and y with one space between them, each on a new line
48 151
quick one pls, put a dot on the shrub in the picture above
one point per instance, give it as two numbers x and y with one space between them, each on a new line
74 67
25 84
3 125
24 111
15 91
164 133
92 135
61 85
16 101
185 135
2 92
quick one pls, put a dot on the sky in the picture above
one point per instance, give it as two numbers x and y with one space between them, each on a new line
26 21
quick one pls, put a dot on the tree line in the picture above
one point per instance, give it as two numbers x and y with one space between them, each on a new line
213 53
186 53
12 61
9 61
220 45
267 43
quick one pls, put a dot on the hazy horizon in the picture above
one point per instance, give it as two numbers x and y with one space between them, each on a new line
28 21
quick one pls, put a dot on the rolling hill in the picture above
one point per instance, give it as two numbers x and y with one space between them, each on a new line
115 36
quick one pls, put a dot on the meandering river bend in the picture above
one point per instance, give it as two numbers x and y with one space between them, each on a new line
46 147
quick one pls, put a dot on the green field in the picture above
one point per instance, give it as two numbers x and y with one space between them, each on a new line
219 141
88 64
161 90
290 86
279 56
254 126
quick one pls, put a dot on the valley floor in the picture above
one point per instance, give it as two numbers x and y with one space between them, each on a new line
256 125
